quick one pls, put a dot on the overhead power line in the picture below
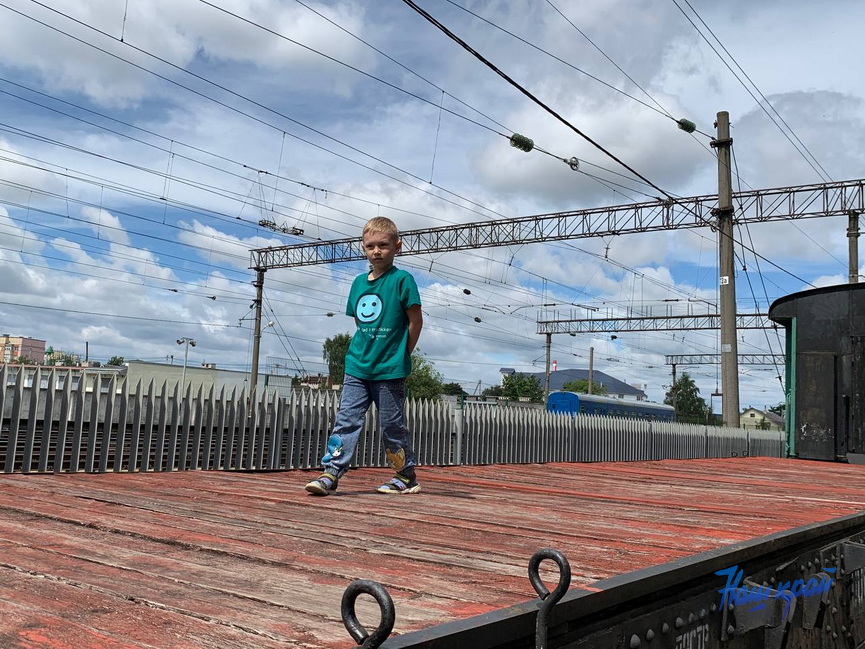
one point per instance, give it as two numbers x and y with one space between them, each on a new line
528 94
246 99
821 172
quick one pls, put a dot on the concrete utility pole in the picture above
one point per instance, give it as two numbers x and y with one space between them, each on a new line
256 336
724 212
591 369
673 389
853 245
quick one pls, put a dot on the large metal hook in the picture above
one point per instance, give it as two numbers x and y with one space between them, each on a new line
355 628
548 599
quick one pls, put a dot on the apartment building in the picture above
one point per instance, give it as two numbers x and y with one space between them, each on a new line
14 347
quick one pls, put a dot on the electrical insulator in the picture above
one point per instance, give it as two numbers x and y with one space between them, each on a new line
687 125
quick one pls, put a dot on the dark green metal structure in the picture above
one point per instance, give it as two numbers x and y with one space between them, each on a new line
825 374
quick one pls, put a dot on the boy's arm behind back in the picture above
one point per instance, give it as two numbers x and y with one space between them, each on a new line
415 324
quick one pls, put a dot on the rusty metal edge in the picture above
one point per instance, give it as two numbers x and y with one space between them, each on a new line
507 626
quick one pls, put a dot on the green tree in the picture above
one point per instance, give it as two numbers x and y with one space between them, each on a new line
334 353
518 385
780 409
68 360
493 391
24 360
116 360
454 389
582 386
424 382
685 396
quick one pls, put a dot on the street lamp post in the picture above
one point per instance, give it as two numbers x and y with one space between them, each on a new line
187 342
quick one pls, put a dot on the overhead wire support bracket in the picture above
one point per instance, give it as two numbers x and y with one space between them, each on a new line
271 225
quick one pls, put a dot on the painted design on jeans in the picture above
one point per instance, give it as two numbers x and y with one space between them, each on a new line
395 459
334 448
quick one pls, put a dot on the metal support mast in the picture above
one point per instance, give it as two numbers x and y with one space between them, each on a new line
547 347
853 245
724 212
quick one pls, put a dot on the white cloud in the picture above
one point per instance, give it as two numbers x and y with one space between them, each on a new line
74 59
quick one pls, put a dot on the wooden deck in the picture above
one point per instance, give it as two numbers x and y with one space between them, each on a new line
240 560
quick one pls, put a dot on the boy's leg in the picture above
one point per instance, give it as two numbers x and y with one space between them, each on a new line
341 444
389 397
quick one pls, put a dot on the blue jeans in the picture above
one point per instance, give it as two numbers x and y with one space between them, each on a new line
388 397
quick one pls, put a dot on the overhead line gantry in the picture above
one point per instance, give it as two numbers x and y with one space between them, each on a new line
755 206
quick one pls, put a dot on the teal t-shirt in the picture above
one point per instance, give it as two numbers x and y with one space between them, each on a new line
379 348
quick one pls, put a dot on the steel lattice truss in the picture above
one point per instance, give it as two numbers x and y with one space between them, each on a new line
651 323
784 203
715 359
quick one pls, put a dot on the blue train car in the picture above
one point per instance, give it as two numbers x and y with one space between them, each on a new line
592 404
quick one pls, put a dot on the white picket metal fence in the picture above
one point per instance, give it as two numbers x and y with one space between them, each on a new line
50 423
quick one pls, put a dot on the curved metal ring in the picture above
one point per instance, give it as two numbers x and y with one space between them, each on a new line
548 599
564 574
349 618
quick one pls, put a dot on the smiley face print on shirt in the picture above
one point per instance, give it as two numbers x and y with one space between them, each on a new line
368 308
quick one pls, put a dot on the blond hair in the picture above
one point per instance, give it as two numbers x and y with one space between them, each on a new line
383 225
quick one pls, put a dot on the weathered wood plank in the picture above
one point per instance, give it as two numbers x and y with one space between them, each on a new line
253 554
48 612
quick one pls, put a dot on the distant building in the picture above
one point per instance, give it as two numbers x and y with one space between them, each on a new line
318 382
14 348
136 373
60 357
761 419
614 387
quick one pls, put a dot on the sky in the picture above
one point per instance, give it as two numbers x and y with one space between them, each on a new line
142 142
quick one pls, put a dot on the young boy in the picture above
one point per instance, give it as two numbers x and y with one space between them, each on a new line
385 305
